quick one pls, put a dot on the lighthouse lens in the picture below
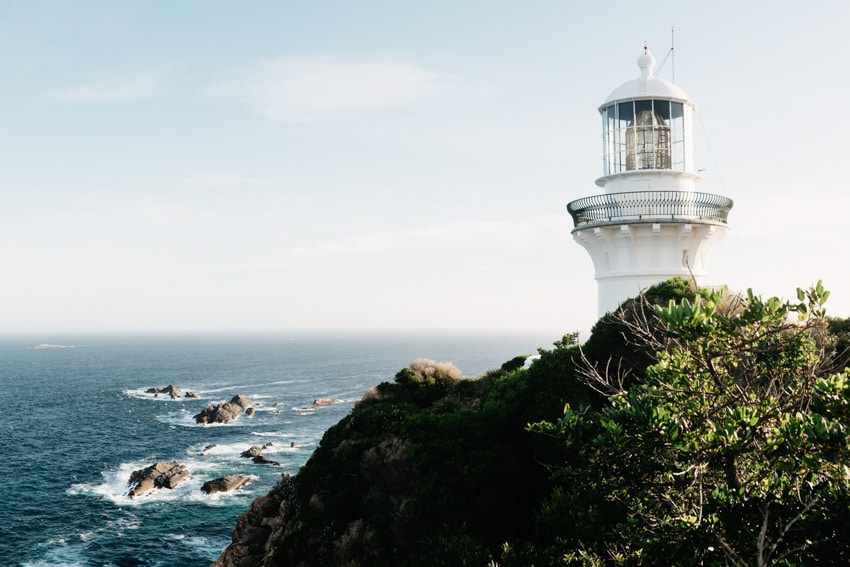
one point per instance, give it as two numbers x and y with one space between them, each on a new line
648 138
644 134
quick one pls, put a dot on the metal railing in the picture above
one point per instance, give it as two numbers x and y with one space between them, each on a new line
650 206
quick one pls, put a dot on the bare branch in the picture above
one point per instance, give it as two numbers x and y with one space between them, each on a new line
808 505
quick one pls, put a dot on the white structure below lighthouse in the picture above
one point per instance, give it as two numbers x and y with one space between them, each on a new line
650 224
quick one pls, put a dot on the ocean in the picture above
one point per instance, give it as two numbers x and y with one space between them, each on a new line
77 421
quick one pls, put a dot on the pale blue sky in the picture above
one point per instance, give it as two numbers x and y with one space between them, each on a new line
230 166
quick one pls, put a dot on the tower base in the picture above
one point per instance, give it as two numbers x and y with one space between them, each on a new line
628 258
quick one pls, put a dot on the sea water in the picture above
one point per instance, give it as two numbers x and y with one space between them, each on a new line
76 421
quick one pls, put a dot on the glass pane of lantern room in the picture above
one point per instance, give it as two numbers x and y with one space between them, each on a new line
641 141
677 110
625 119
677 135
627 113
642 106
609 133
662 110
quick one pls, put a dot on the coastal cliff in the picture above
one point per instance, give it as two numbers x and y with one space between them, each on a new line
430 468
661 440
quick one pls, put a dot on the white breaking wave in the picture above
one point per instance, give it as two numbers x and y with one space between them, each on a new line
114 486
142 394
202 547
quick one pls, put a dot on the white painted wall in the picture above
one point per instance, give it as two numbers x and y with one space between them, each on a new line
628 258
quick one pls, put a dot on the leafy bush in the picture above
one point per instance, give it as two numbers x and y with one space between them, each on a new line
733 450
616 343
515 363
725 444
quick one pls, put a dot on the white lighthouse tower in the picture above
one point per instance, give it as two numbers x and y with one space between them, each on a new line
650 224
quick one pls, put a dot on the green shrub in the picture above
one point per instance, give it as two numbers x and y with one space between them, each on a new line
436 469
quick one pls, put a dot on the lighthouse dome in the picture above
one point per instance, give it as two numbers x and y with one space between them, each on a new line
647 85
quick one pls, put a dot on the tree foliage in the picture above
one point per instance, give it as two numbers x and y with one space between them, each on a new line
624 342
694 427
732 450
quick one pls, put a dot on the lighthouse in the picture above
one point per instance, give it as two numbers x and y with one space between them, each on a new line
649 224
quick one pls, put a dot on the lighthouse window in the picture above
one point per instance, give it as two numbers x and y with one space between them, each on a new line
609 140
677 136
644 134
625 113
662 109
677 110
648 138
643 106
613 137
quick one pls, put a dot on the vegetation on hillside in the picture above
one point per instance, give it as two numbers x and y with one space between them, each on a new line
694 427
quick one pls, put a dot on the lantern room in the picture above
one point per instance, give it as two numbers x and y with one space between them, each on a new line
647 125
644 134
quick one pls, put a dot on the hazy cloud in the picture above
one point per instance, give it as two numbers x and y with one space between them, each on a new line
369 242
113 88
226 179
489 233
310 88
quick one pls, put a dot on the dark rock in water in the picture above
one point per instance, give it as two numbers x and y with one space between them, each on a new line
256 453
171 390
224 412
251 453
208 447
242 401
250 412
189 394
225 484
261 460
322 402
158 475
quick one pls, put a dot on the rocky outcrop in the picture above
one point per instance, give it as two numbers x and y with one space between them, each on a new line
320 403
172 391
158 475
381 490
256 453
225 484
420 473
264 523
320 529
262 460
251 453
224 412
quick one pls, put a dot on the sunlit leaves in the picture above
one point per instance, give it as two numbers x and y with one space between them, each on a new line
812 301
732 421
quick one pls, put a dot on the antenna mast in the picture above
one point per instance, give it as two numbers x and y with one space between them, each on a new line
666 57
673 60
